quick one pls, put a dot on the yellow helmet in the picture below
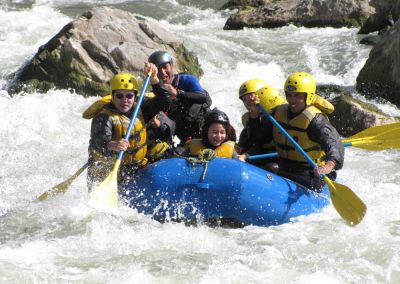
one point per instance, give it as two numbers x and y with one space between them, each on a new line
270 97
302 82
251 86
124 81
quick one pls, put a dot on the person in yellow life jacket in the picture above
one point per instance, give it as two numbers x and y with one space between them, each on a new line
251 140
310 128
108 129
216 135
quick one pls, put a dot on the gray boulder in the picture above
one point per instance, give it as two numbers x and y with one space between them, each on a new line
352 116
380 76
308 13
88 51
239 4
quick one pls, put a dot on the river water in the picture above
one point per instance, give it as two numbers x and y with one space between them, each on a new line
44 140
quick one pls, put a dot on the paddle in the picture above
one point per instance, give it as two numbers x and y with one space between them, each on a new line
382 137
61 187
349 206
106 193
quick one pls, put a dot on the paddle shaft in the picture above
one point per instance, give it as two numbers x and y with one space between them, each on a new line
62 187
135 113
275 154
284 132
369 139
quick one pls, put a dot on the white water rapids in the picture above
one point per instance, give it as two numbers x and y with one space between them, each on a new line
44 140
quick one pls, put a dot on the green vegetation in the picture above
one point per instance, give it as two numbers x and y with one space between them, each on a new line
188 62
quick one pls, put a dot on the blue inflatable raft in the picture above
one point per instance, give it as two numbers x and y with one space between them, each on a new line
225 191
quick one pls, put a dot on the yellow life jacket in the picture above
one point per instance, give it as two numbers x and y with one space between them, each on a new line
156 150
225 150
297 128
323 105
136 153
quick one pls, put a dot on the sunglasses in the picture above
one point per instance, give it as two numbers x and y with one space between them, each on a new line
120 96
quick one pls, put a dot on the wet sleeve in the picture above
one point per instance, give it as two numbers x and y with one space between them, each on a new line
152 106
195 97
322 132
259 130
100 133
167 127
244 142
160 91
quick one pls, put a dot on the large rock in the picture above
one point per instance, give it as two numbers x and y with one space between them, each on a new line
88 51
380 76
239 4
386 13
352 116
308 13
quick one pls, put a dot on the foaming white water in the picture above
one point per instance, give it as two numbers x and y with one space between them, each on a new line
64 241
22 32
229 58
72 3
44 140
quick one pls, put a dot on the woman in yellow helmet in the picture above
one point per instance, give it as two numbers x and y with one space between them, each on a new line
310 128
109 126
252 141
217 134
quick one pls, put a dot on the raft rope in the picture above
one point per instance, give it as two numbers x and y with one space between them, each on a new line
204 157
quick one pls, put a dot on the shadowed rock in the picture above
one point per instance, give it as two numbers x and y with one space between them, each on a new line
380 76
308 13
239 4
88 51
386 14
352 115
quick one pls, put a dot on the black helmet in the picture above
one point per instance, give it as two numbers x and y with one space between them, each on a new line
211 117
160 57
216 116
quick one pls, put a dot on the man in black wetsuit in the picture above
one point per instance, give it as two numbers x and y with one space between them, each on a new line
188 102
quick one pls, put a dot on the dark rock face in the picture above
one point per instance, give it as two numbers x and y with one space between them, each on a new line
238 4
380 76
386 14
87 52
308 13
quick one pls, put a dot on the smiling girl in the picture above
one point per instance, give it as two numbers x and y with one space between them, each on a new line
217 134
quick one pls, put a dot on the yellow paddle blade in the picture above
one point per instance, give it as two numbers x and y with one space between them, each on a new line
106 193
381 141
373 131
61 187
349 206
